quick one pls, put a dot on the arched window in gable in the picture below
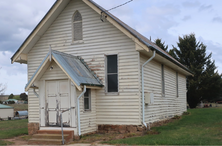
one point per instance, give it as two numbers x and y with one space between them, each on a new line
77 26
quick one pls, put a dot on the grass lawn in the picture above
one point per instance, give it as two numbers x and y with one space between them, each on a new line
12 128
201 127
19 107
17 97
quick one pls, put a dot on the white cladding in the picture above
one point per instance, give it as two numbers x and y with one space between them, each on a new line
88 118
101 39
5 113
163 106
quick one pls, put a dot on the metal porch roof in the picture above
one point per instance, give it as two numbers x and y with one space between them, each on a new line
77 69
74 66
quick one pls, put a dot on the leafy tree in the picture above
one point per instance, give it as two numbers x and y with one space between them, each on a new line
11 96
161 44
24 96
206 82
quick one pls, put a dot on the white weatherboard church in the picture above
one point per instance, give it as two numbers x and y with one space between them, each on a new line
97 73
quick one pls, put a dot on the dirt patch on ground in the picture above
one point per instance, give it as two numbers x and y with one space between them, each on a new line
20 140
97 138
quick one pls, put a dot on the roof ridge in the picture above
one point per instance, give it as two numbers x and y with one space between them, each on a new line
65 54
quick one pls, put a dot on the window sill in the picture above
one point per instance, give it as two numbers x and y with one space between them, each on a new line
112 93
86 111
77 42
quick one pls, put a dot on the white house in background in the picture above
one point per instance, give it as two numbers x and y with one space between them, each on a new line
7 101
6 111
92 48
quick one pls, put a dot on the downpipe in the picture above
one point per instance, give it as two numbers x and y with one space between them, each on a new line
154 53
36 94
79 126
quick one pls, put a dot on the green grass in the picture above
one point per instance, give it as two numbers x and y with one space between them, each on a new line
201 127
17 97
13 128
18 107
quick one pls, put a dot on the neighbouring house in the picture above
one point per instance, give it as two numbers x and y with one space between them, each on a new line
6 111
4 97
88 64
7 101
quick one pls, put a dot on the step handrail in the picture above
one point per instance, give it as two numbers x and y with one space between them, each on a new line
62 122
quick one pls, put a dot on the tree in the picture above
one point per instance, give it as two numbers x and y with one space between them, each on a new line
206 82
161 44
2 87
24 96
11 96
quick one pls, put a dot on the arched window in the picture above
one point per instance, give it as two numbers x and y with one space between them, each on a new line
77 26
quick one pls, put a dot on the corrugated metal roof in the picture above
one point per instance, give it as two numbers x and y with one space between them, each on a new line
77 69
74 66
142 38
5 106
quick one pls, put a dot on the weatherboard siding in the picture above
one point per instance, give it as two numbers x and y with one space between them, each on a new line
88 118
53 74
99 39
163 106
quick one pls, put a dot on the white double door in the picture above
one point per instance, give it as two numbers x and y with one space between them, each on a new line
57 100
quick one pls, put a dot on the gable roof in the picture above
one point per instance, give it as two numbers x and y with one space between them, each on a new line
142 38
100 9
74 67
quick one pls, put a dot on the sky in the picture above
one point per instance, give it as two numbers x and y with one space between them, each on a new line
164 19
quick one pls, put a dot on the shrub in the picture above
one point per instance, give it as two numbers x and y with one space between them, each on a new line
186 113
11 102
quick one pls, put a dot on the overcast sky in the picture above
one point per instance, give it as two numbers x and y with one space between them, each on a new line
165 19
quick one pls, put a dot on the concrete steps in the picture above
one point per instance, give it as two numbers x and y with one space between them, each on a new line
51 137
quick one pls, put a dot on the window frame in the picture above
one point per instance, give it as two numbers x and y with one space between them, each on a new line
177 85
162 80
89 98
106 75
73 29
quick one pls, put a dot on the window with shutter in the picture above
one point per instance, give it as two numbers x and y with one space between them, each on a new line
77 26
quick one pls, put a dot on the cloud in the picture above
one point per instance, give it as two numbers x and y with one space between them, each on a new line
185 18
205 7
13 75
217 19
18 20
190 4
11 69
214 48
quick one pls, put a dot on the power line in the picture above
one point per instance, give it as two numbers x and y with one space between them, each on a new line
119 5
103 16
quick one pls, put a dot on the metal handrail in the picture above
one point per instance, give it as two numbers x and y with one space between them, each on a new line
62 122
